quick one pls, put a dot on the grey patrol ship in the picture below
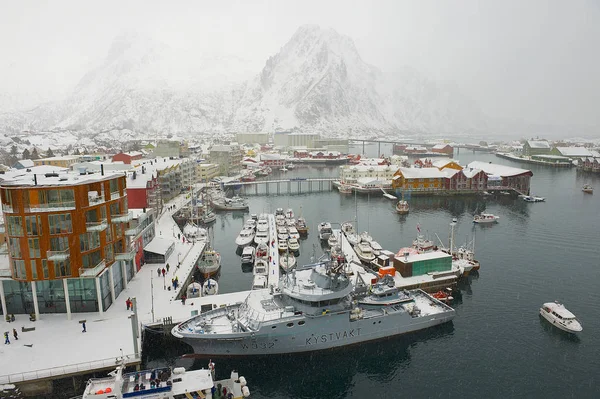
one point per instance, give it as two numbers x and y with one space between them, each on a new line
316 307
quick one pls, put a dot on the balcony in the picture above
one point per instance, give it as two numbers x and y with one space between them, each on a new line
7 208
58 255
115 195
55 206
122 218
125 255
96 226
93 272
134 231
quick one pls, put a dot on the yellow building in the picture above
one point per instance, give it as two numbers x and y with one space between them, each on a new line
206 171
418 179
63 162
442 164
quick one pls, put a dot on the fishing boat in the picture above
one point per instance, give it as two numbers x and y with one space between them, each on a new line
324 230
287 262
302 227
345 188
483 218
444 296
245 237
560 317
248 255
293 245
230 204
422 244
193 232
210 287
402 207
588 189
316 307
167 383
209 262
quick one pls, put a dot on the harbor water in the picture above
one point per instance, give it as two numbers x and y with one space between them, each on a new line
497 346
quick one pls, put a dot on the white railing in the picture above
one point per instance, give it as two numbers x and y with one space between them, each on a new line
96 226
134 231
122 218
56 206
93 272
7 208
61 371
5 273
58 255
115 195
125 255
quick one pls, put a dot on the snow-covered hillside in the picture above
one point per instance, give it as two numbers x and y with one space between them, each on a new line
317 82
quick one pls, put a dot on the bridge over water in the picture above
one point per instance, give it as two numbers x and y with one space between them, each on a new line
293 185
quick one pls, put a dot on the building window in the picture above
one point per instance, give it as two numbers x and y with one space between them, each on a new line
57 198
62 268
33 225
59 243
91 260
34 269
15 226
19 269
15 247
45 268
89 241
60 224
34 247
109 253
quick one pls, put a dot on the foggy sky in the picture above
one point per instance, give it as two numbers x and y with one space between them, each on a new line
536 61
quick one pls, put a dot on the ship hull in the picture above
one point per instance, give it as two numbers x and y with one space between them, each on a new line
315 334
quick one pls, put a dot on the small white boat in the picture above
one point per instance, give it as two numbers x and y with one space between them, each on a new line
324 230
588 189
531 198
193 232
345 188
262 251
248 255
259 282
290 222
194 290
377 248
301 226
402 207
261 267
209 262
262 225
279 211
485 218
250 224
284 169
245 237
293 232
289 213
290 166
282 244
261 237
364 252
366 237
210 287
287 262
165 383
560 317
293 245
332 241
280 220
282 230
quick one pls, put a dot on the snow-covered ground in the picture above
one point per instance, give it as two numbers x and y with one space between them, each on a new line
58 346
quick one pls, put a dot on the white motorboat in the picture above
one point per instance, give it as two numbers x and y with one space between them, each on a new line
280 220
293 245
282 230
245 237
332 241
283 169
290 166
377 248
350 233
588 189
324 230
290 222
261 237
293 232
301 226
364 252
259 282
262 225
250 224
262 251
194 290
289 213
366 237
282 244
261 267
531 198
248 255
210 287
165 383
485 218
402 207
560 317
279 211
287 262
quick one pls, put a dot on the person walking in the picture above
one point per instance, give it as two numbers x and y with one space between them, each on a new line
168 268
128 303
183 298
83 325
164 271
15 334
7 341
158 271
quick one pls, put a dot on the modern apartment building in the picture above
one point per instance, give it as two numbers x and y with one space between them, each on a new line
67 248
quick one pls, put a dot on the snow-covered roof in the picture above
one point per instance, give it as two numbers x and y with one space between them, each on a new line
422 173
439 146
26 163
498 170
538 144
470 172
574 151
159 245
441 162
54 176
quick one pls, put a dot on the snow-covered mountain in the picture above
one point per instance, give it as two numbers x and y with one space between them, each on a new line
317 82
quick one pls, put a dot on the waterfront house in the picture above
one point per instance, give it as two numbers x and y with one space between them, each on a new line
505 177
573 153
127 157
443 149
418 179
536 147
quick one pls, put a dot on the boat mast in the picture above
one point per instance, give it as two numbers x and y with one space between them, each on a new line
452 224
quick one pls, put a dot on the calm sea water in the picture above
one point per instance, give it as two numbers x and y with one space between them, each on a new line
497 345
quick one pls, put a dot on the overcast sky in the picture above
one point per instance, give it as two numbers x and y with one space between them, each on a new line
533 60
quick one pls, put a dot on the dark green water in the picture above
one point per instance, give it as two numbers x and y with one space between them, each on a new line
497 346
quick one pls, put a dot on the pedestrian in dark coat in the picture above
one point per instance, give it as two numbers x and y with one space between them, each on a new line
15 334
158 271
83 325
163 271
7 341
168 268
